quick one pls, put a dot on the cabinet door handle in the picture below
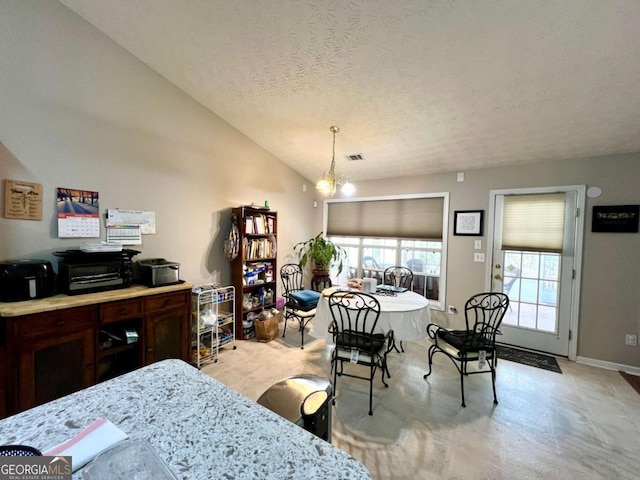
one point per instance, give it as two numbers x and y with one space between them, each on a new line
167 302
123 311
60 322
149 349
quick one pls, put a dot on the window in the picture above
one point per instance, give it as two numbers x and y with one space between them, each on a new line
532 282
369 257
384 232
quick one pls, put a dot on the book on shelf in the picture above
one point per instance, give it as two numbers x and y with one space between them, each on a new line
259 225
270 224
245 247
248 224
258 248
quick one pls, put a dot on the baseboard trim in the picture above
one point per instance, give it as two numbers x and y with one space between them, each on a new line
618 367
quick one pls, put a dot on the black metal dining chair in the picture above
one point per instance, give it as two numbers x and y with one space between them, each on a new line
483 314
398 277
300 303
354 319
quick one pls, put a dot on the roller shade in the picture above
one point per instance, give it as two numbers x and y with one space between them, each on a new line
414 218
533 222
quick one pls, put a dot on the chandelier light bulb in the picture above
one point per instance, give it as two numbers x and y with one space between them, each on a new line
348 187
328 183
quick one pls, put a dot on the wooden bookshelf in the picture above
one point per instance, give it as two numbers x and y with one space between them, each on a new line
255 268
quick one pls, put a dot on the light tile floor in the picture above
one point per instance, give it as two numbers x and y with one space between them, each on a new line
582 424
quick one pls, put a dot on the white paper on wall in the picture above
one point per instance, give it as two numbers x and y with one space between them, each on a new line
146 220
125 234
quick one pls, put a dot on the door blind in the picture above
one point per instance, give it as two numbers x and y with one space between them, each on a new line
534 222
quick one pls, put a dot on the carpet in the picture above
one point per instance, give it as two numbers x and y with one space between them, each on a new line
634 380
532 359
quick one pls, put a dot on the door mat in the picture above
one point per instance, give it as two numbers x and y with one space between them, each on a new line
634 380
532 359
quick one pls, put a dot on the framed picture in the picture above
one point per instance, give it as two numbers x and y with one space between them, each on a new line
615 218
468 222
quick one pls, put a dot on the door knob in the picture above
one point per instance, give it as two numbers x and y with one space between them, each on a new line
498 265
497 276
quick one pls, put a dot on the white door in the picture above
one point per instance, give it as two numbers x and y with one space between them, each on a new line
539 276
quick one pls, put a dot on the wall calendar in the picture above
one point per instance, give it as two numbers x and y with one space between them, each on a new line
78 213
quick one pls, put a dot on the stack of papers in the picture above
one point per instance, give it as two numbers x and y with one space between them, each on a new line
101 247
98 437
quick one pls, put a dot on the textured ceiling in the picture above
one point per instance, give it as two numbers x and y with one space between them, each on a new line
415 86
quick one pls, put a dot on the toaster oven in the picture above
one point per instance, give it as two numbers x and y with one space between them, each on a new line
158 271
82 272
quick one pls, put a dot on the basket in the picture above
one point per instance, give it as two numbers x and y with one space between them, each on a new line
266 330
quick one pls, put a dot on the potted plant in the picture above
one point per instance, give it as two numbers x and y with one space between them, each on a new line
322 253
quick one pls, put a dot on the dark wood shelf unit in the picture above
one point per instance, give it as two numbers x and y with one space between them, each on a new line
258 245
57 351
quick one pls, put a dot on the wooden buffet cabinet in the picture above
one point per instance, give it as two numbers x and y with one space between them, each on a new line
58 345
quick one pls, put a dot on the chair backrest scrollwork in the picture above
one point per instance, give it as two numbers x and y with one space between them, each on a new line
355 316
399 277
484 313
291 276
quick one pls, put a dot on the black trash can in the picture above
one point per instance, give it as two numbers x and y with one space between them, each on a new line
304 400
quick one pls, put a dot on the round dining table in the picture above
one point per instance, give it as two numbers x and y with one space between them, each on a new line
406 313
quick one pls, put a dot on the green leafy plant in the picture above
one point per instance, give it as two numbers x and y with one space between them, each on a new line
323 253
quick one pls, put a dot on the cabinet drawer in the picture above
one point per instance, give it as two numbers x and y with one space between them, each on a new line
161 302
56 322
114 312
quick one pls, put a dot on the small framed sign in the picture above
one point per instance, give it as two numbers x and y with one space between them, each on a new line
615 218
22 200
468 222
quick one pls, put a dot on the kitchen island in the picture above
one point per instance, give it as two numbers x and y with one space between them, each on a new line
198 426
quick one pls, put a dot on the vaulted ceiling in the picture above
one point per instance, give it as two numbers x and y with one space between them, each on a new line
416 86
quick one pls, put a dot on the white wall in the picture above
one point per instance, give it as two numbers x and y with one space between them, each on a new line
78 111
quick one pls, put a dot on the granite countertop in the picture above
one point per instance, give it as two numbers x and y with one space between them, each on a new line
198 426
59 302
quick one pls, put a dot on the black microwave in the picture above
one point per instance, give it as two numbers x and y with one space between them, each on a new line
83 272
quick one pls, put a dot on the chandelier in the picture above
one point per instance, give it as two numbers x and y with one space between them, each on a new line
328 183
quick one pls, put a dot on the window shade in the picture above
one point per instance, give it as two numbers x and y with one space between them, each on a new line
533 222
415 218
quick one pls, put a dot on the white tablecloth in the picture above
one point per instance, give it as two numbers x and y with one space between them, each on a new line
407 314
